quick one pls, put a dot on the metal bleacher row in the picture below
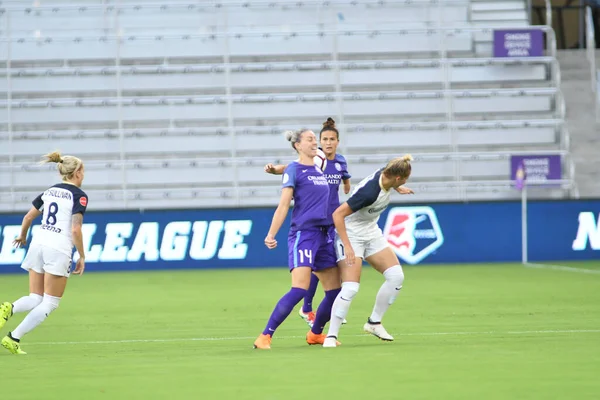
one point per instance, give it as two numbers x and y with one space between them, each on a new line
180 105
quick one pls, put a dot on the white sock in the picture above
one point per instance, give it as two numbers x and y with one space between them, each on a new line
388 292
341 305
27 303
36 316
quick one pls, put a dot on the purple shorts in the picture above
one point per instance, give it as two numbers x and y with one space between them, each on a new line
312 248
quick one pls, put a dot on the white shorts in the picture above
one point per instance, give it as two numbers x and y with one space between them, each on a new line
362 248
43 259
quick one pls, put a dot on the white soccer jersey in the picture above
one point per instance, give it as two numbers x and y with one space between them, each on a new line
58 204
368 200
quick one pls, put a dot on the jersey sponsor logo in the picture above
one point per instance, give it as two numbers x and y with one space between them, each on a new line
413 232
50 228
588 232
376 210
83 201
333 179
317 180
148 241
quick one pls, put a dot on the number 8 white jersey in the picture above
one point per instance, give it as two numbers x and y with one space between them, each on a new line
58 204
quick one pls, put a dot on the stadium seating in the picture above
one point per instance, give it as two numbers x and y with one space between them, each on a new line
190 102
245 77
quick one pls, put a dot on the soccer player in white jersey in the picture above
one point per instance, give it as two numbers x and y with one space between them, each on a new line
360 238
48 259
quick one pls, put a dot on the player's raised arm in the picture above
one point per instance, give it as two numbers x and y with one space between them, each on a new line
404 190
275 169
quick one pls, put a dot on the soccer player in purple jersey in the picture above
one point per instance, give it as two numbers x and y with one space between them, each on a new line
310 247
336 173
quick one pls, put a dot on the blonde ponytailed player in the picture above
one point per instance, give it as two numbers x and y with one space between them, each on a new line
360 238
48 259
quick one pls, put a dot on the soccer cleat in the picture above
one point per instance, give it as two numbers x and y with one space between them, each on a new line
313 338
308 317
5 313
377 330
344 322
12 345
330 341
263 342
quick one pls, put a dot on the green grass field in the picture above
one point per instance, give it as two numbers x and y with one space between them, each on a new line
492 331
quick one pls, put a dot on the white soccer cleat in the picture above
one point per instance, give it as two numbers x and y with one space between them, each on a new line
378 330
330 341
344 322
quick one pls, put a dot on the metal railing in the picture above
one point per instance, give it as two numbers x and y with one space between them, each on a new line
118 35
590 51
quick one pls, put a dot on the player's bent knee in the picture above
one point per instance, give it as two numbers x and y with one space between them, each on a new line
349 290
50 303
395 276
347 293
35 299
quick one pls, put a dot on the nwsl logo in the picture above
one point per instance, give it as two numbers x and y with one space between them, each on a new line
413 232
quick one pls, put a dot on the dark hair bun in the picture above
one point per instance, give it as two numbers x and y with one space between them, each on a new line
330 123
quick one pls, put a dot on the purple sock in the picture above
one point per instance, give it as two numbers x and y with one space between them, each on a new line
284 307
324 312
310 295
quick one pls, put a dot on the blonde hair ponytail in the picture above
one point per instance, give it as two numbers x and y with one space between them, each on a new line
399 166
67 165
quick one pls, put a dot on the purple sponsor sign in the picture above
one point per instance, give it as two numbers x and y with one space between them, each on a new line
518 43
535 168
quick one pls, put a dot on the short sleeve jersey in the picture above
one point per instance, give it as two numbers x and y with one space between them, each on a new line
311 192
58 204
367 201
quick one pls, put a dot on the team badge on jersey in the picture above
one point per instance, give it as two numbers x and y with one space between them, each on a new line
413 232
338 166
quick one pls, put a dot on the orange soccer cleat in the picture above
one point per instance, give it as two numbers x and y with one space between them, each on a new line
313 338
263 342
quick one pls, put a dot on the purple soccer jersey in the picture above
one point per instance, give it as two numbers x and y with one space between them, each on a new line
310 188
309 242
335 172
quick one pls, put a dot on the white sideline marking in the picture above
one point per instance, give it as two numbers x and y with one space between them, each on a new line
220 339
562 268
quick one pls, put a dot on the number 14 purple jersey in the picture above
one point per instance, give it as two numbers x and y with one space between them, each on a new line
311 194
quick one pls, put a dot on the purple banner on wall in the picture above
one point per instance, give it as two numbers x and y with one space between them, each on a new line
538 168
518 43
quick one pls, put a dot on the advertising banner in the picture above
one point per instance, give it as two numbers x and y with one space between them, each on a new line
234 238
